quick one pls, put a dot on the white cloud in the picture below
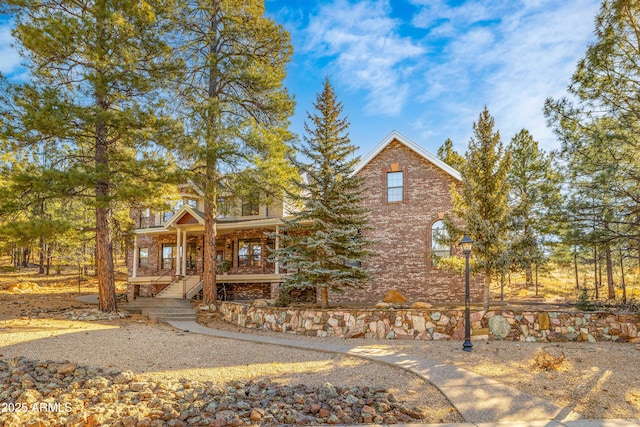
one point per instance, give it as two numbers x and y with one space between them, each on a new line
510 64
9 58
366 50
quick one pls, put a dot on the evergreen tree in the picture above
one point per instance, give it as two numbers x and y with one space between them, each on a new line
482 201
447 154
534 191
235 107
599 128
97 73
325 243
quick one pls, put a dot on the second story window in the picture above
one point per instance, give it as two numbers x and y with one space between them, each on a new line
192 203
395 186
145 214
224 207
250 206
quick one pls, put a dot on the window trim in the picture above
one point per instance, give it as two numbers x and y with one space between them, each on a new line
251 260
145 258
163 260
388 187
249 205
432 241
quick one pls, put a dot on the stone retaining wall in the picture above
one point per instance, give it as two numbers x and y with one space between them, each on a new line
414 324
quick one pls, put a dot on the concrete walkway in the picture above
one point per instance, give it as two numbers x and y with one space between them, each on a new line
481 401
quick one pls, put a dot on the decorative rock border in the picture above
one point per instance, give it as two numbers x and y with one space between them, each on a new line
415 324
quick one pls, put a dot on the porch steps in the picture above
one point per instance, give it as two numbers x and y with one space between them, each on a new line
175 289
162 309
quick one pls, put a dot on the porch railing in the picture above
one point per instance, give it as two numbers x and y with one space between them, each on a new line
170 272
197 274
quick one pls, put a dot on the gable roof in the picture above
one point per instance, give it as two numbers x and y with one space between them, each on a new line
397 136
184 210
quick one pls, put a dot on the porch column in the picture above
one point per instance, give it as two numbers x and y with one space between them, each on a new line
277 264
178 253
135 255
184 252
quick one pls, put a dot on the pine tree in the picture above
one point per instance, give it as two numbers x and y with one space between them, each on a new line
447 154
97 70
482 202
325 243
235 106
534 190
599 128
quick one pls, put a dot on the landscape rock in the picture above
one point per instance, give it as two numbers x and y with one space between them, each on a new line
499 326
419 305
120 399
395 297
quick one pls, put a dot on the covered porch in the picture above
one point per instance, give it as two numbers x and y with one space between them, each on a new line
171 258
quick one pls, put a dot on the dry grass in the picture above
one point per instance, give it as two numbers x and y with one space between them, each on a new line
558 286
28 280
549 360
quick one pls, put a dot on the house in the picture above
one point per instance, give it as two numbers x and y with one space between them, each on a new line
408 194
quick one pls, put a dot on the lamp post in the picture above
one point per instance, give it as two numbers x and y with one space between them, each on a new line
466 243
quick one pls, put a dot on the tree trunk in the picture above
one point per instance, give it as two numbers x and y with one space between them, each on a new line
575 268
487 290
595 271
209 289
104 244
622 284
528 276
41 260
48 263
324 297
611 290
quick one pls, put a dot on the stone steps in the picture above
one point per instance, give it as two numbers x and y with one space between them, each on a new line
162 309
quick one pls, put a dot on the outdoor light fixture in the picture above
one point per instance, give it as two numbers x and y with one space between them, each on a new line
466 243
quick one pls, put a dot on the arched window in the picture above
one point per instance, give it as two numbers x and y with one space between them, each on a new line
440 247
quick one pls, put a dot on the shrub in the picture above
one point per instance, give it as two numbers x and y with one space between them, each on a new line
549 361
583 302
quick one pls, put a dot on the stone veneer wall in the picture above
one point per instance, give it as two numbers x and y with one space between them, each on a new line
414 324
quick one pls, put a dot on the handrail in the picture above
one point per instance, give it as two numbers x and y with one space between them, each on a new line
155 282
185 291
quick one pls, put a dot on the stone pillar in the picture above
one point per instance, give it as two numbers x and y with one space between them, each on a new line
135 255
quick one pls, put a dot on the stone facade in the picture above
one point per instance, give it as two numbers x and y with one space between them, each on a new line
403 229
414 324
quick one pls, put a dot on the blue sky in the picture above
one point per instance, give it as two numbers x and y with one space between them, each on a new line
426 68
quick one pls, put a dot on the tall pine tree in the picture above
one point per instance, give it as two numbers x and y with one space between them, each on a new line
599 129
534 191
325 243
234 105
482 202
97 71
